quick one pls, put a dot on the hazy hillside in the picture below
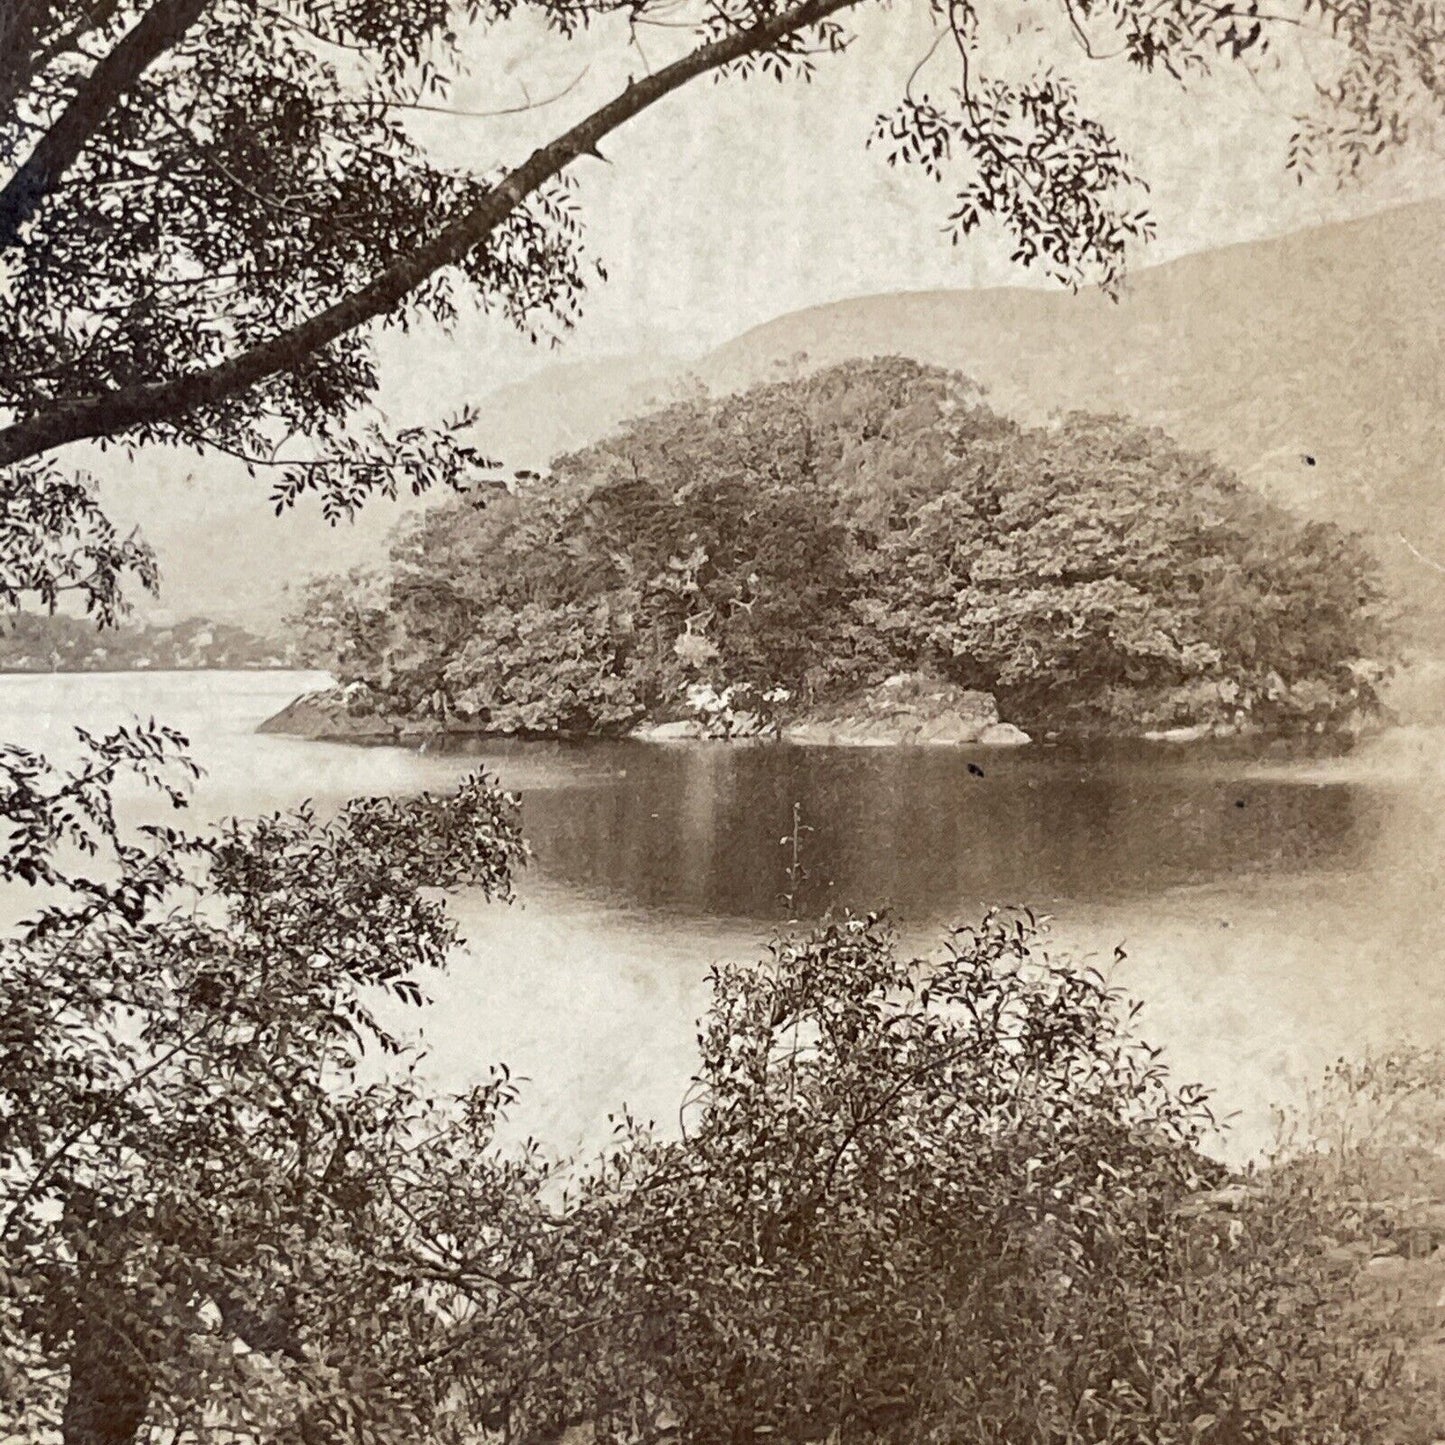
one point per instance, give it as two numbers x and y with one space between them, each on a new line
1314 364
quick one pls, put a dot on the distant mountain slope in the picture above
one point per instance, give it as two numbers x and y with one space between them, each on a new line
1313 363
570 405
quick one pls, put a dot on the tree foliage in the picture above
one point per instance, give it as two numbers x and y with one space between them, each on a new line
815 536
211 1221
57 545
953 1199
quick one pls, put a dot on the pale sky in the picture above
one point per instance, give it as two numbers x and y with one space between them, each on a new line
733 203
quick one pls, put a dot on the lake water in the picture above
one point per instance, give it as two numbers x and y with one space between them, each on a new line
1276 912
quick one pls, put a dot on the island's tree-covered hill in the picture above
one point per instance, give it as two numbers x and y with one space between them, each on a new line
804 540
1312 364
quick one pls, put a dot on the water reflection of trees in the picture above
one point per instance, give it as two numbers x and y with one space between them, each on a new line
699 828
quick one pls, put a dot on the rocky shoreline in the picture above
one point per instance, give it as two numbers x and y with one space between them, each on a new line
902 711
905 710
333 715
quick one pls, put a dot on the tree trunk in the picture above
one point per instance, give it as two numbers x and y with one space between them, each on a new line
110 1384
158 30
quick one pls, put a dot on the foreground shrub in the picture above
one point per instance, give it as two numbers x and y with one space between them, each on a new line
953 1202
213 1225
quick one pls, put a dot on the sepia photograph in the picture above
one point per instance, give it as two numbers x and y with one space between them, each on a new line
722 722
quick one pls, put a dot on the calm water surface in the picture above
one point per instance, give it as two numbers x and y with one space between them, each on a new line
1276 912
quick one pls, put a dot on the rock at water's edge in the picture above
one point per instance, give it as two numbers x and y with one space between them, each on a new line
323 715
1003 735
1192 734
336 715
684 730
1195 733
910 709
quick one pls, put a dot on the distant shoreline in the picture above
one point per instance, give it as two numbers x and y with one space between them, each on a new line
128 671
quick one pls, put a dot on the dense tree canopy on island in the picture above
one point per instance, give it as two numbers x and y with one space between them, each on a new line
207 205
814 536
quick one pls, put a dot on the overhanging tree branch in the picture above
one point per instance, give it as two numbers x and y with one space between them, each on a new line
156 32
114 412
34 48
